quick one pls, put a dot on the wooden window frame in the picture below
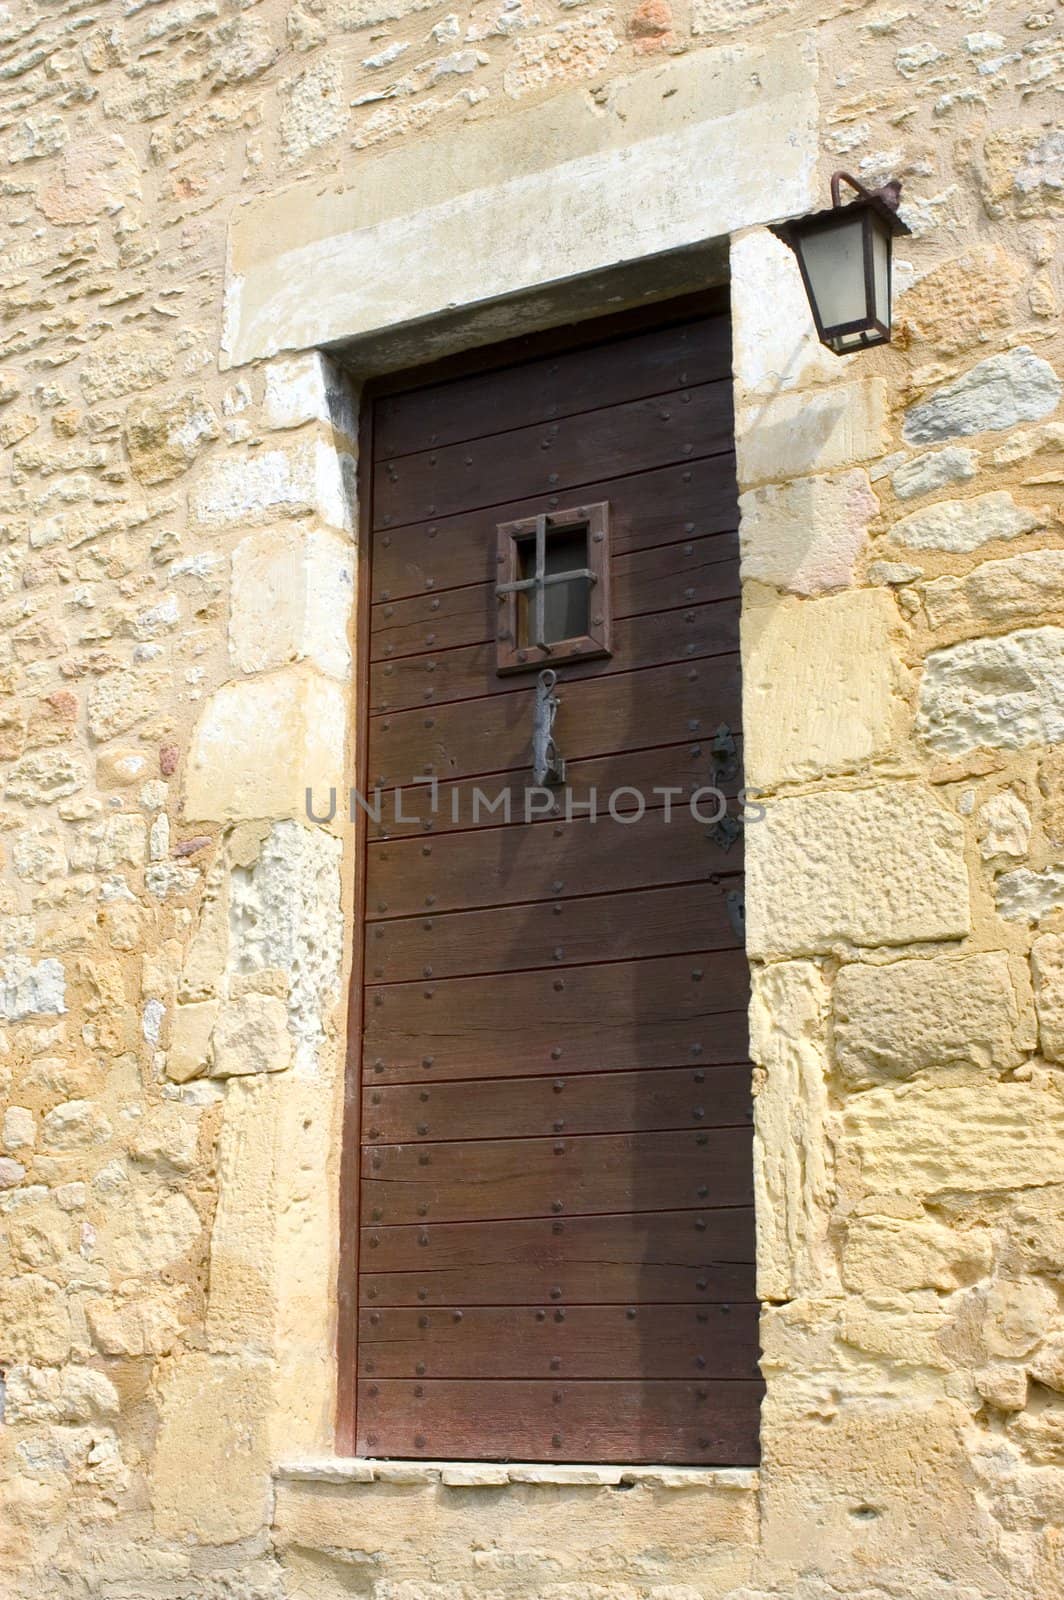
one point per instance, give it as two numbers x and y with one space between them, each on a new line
510 654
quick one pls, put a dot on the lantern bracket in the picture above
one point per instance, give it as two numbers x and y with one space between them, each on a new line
888 194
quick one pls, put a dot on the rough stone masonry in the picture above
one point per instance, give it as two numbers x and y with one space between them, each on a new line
176 583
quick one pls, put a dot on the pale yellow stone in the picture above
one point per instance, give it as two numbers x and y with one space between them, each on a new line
260 745
1010 593
34 1320
189 1055
818 430
1047 965
149 1231
895 1253
210 1475
792 1154
876 1486
893 1021
533 1537
806 536
1002 1386
876 866
928 1140
147 1326
1018 1316
292 592
251 1035
822 685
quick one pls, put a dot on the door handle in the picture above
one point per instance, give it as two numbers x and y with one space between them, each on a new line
548 767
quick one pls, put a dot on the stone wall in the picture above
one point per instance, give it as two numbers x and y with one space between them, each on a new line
176 577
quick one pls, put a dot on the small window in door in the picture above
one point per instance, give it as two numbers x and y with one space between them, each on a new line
553 590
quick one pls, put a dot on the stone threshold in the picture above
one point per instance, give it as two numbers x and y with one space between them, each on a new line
497 1474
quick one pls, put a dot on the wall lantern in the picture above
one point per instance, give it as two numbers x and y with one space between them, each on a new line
844 257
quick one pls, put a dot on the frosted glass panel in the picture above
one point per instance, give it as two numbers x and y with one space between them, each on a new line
881 275
834 262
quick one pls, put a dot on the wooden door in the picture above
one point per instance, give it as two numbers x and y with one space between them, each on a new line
555 1256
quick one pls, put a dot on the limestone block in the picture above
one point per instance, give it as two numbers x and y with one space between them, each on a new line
1051 788
34 1321
925 1140
307 478
19 1129
1005 693
1004 826
917 1016
792 1150
286 917
291 597
818 431
94 176
806 536
251 1035
1002 1386
149 1232
1047 1365
1047 966
953 306
1028 896
879 1486
260 745
996 393
124 366
314 110
309 388
204 967
164 437
1027 588
210 1477
75 1125
533 1536
959 526
11 1172
148 1325
28 989
877 866
1023 168
1040 1436
894 1327
913 1253
774 339
1017 1316
937 470
119 702
166 1139
45 776
74 1395
820 685
189 1055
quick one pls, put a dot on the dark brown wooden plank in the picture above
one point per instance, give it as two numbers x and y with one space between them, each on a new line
689 634
660 705
606 1018
554 386
459 806
635 1342
648 511
651 922
609 1102
525 862
704 1256
660 1420
496 1178
555 457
